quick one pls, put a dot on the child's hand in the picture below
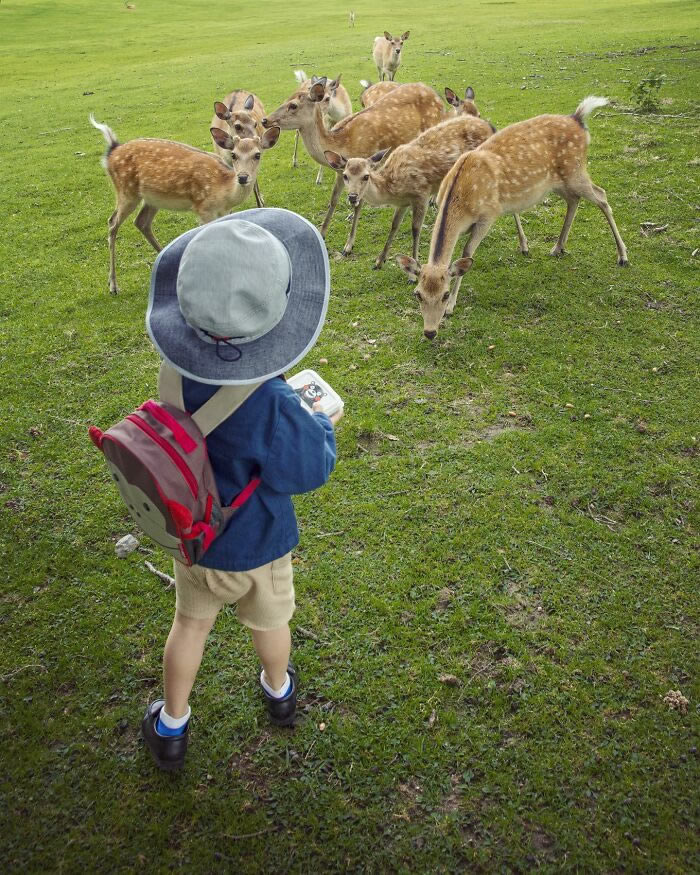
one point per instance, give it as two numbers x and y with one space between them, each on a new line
337 416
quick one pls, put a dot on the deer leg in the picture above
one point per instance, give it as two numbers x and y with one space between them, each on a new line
572 201
347 249
319 175
143 223
419 210
123 210
335 194
258 196
478 231
296 143
399 213
596 195
522 239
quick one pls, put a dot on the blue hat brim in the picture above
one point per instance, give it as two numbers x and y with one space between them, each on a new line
275 352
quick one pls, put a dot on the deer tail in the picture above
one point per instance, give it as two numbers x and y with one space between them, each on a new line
365 83
109 135
300 76
586 107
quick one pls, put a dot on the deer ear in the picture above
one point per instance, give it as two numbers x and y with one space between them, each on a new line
222 139
317 90
315 79
377 157
406 35
387 35
461 266
336 82
469 93
270 137
336 161
451 97
222 111
250 103
409 266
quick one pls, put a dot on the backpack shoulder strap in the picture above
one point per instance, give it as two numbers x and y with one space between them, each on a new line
224 402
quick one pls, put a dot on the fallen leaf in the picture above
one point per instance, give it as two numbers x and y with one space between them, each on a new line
390 437
323 361
449 679
432 718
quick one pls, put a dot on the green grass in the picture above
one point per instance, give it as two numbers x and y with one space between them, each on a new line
547 560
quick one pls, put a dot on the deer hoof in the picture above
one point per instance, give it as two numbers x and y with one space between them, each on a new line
346 252
525 252
623 262
557 253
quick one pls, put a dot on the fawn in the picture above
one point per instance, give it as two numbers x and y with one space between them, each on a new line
387 54
172 176
336 104
396 119
512 171
239 114
411 174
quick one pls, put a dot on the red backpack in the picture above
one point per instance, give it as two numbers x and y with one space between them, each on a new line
158 457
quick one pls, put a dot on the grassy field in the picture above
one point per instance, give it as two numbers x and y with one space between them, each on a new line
499 584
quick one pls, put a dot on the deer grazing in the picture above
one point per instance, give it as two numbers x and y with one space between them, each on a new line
238 114
512 171
387 54
412 173
172 176
336 105
396 119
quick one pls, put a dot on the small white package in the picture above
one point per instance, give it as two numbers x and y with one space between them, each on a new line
311 388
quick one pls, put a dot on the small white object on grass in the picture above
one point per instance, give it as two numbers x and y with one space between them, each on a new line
125 546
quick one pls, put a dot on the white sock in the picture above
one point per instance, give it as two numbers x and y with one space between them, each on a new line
276 694
174 722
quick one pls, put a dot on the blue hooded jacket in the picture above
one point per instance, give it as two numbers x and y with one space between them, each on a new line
273 437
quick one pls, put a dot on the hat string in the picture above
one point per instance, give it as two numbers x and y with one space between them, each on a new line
224 342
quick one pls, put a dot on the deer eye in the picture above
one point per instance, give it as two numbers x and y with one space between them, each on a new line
418 296
234 156
365 177
292 106
345 177
445 296
238 127
257 156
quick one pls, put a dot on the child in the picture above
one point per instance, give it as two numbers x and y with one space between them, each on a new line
238 302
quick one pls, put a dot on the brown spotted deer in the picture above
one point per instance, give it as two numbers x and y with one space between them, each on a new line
462 107
238 114
336 104
512 171
412 173
396 119
172 176
374 91
387 54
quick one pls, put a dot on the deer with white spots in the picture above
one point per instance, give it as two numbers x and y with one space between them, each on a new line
336 104
238 114
411 175
387 54
396 119
512 171
374 91
165 175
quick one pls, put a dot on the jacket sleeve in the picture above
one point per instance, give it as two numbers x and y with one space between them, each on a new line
302 452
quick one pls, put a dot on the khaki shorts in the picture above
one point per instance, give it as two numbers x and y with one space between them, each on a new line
264 596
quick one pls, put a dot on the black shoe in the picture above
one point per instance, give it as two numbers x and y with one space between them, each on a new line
283 711
168 750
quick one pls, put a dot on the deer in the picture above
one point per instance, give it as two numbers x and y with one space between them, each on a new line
396 119
510 172
374 91
462 107
239 114
336 104
412 174
166 175
351 19
387 54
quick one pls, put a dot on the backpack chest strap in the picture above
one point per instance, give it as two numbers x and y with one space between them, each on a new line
224 402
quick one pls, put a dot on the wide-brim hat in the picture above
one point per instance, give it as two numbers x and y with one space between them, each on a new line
240 288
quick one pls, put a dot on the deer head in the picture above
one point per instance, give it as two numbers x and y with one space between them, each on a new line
246 152
466 106
297 109
356 172
241 123
432 288
396 42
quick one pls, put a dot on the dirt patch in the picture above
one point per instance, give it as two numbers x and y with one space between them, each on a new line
450 804
242 766
524 611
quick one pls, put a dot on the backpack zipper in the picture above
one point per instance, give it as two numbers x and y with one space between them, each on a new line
164 445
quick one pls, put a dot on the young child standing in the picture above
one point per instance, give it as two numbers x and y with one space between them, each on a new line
238 302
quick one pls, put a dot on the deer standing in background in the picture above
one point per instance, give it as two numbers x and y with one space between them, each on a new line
336 104
396 119
351 19
512 171
387 54
412 173
238 114
172 176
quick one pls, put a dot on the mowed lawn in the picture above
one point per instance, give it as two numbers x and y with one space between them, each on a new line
498 587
